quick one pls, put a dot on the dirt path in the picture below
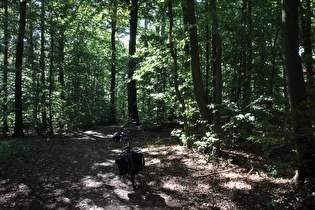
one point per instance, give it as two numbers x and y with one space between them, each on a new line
78 171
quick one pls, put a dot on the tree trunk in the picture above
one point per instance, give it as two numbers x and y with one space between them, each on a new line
132 89
113 67
297 93
217 70
175 74
273 70
51 79
61 60
306 15
18 128
5 68
306 19
195 64
35 82
248 52
207 57
43 69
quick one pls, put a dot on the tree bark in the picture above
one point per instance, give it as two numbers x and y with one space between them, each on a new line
248 53
306 15
51 79
132 89
42 64
18 128
297 92
195 64
113 67
217 70
5 68
175 73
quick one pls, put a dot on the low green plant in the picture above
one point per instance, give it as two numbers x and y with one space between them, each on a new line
206 143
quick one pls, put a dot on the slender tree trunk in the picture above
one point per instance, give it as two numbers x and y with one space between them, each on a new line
248 52
306 19
306 15
175 73
61 60
18 128
51 79
208 74
186 46
217 69
5 68
195 64
273 69
35 80
43 69
113 67
132 89
297 92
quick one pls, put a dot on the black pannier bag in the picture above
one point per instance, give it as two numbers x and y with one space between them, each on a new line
121 163
138 160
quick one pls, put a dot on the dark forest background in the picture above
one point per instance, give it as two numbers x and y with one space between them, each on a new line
232 73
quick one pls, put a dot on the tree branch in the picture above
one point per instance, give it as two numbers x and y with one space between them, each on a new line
218 172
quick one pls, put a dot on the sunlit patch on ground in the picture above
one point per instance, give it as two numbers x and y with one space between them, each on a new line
71 174
232 175
8 196
172 184
122 194
108 163
240 185
97 134
87 204
90 182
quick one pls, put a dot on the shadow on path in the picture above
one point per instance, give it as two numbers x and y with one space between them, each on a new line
78 171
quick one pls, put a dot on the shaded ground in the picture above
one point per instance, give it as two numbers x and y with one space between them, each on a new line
77 171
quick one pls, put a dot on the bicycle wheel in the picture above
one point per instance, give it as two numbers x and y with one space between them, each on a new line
131 171
132 177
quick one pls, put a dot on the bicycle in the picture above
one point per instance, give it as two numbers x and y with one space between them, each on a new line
128 161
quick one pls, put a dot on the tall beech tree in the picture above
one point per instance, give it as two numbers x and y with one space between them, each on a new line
42 64
18 128
114 60
303 138
5 67
217 71
199 90
174 56
133 8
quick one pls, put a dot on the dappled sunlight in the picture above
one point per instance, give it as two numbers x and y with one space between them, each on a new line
237 184
172 184
122 194
108 163
87 204
91 182
232 175
13 193
116 150
83 175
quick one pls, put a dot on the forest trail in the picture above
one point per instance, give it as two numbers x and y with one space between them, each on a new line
78 171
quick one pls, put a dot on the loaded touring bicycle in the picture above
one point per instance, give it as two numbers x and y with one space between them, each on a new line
129 161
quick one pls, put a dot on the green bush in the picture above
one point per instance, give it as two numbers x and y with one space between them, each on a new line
206 143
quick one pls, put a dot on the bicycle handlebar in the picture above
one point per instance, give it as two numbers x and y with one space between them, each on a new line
121 136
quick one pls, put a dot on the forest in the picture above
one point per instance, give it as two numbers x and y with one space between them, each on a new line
219 76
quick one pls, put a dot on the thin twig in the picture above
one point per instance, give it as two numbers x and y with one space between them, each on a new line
251 170
218 172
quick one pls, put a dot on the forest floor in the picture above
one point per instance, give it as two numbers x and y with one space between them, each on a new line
77 171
